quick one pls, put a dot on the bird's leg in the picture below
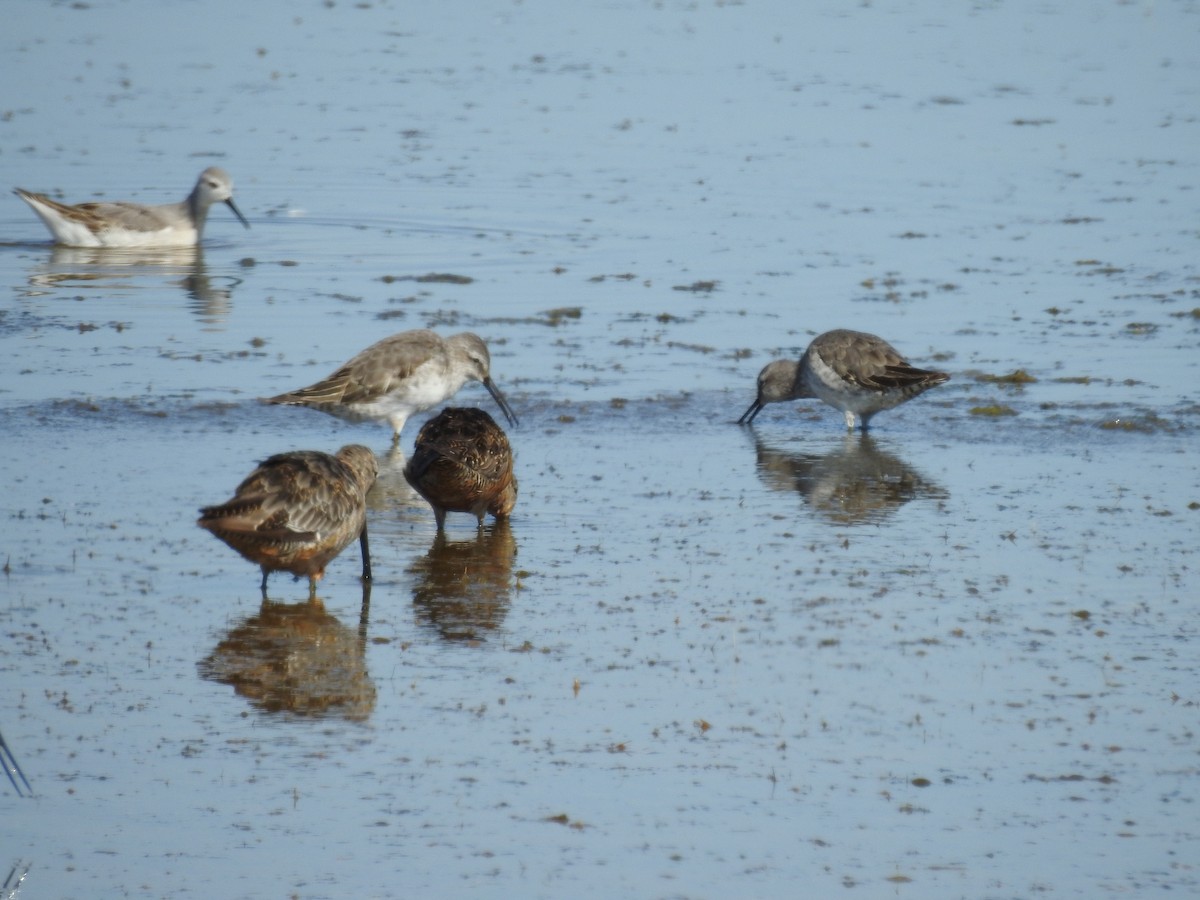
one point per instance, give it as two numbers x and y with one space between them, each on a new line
366 554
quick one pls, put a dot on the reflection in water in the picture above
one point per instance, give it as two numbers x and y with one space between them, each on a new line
297 658
464 588
116 268
856 483
391 489
16 877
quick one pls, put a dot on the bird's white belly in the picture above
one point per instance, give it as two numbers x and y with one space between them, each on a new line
424 388
164 237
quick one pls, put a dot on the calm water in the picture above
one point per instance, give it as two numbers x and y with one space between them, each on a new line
958 659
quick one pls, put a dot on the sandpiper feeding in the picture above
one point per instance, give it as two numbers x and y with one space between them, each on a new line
297 511
121 224
401 375
462 462
858 373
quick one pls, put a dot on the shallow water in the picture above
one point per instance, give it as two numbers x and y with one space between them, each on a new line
955 659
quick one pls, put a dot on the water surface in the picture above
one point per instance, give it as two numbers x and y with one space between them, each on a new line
955 659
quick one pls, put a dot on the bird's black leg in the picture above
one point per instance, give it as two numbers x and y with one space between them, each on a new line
366 553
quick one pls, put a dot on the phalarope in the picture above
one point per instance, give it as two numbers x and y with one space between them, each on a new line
120 224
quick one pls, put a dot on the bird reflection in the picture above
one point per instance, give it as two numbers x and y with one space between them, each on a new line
391 489
464 587
297 658
15 878
209 298
854 484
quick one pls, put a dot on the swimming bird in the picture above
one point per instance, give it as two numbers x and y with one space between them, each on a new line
122 224
297 511
401 375
462 462
858 373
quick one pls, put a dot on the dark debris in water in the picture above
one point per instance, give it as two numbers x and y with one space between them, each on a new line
108 408
1016 377
1145 423
994 410
554 317
698 287
1095 267
75 406
1141 328
1047 779
698 348
887 288
550 317
430 278
563 819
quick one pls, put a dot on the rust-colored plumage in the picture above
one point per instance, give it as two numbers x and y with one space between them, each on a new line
463 463
297 511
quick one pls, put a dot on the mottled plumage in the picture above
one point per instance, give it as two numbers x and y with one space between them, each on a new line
297 511
123 224
401 375
858 373
462 462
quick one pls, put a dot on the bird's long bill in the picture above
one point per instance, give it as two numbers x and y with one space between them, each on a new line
237 212
499 398
748 415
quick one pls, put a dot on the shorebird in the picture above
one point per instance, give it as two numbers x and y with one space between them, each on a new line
121 224
401 375
858 373
462 462
297 511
